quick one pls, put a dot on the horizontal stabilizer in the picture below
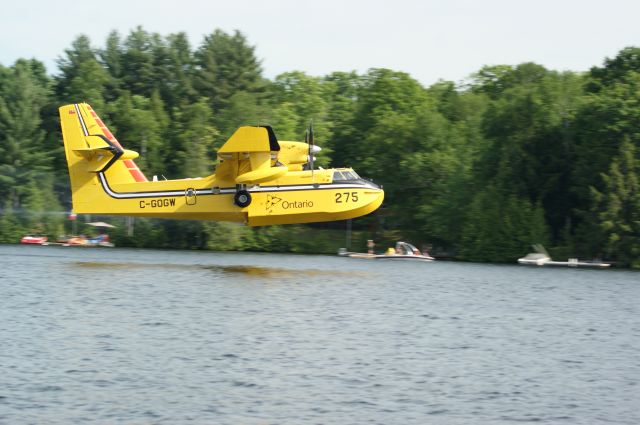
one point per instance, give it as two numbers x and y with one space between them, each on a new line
100 154
128 154
88 152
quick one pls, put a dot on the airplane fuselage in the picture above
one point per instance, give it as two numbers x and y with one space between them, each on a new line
301 197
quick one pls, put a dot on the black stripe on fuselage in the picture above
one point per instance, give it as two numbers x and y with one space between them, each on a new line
210 191
224 191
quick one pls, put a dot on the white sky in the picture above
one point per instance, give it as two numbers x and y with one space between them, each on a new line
429 39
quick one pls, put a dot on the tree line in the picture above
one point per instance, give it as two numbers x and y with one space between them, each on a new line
478 171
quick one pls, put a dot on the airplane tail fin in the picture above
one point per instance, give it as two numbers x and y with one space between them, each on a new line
91 149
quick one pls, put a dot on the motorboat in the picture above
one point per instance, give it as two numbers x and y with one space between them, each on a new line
98 241
402 251
33 240
534 259
542 258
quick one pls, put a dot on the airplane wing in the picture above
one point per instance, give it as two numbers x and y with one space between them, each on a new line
248 156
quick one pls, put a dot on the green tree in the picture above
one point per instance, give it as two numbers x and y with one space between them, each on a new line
603 121
193 138
243 108
138 62
82 77
529 128
226 64
111 57
79 53
386 102
307 96
23 156
341 91
501 227
614 70
285 121
609 115
25 161
140 125
618 207
304 98
11 230
174 71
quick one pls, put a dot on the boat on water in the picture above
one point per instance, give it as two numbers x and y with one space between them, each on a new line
542 258
33 240
101 240
402 251
534 259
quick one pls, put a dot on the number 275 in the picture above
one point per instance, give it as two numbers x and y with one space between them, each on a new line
343 197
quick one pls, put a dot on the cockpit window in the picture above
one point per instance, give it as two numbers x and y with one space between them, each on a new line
345 175
338 176
350 176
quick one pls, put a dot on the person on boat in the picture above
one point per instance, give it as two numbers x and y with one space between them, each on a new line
102 238
370 246
77 240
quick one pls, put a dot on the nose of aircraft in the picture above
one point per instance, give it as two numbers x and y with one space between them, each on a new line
375 196
377 201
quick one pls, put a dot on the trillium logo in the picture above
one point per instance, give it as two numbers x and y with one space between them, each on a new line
272 201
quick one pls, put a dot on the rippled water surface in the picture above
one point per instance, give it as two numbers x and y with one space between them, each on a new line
130 336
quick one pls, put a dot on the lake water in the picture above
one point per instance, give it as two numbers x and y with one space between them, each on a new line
144 336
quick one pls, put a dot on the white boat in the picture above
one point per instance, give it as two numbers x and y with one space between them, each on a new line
402 251
534 259
541 258
574 262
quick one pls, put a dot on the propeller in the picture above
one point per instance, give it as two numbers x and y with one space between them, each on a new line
311 147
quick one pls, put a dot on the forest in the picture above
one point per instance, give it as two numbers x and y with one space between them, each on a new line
476 170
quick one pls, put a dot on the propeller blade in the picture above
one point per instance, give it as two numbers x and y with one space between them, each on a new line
311 146
306 140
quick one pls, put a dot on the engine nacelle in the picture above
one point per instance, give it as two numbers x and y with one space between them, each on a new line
295 153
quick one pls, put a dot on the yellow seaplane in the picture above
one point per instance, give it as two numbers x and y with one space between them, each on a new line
258 180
